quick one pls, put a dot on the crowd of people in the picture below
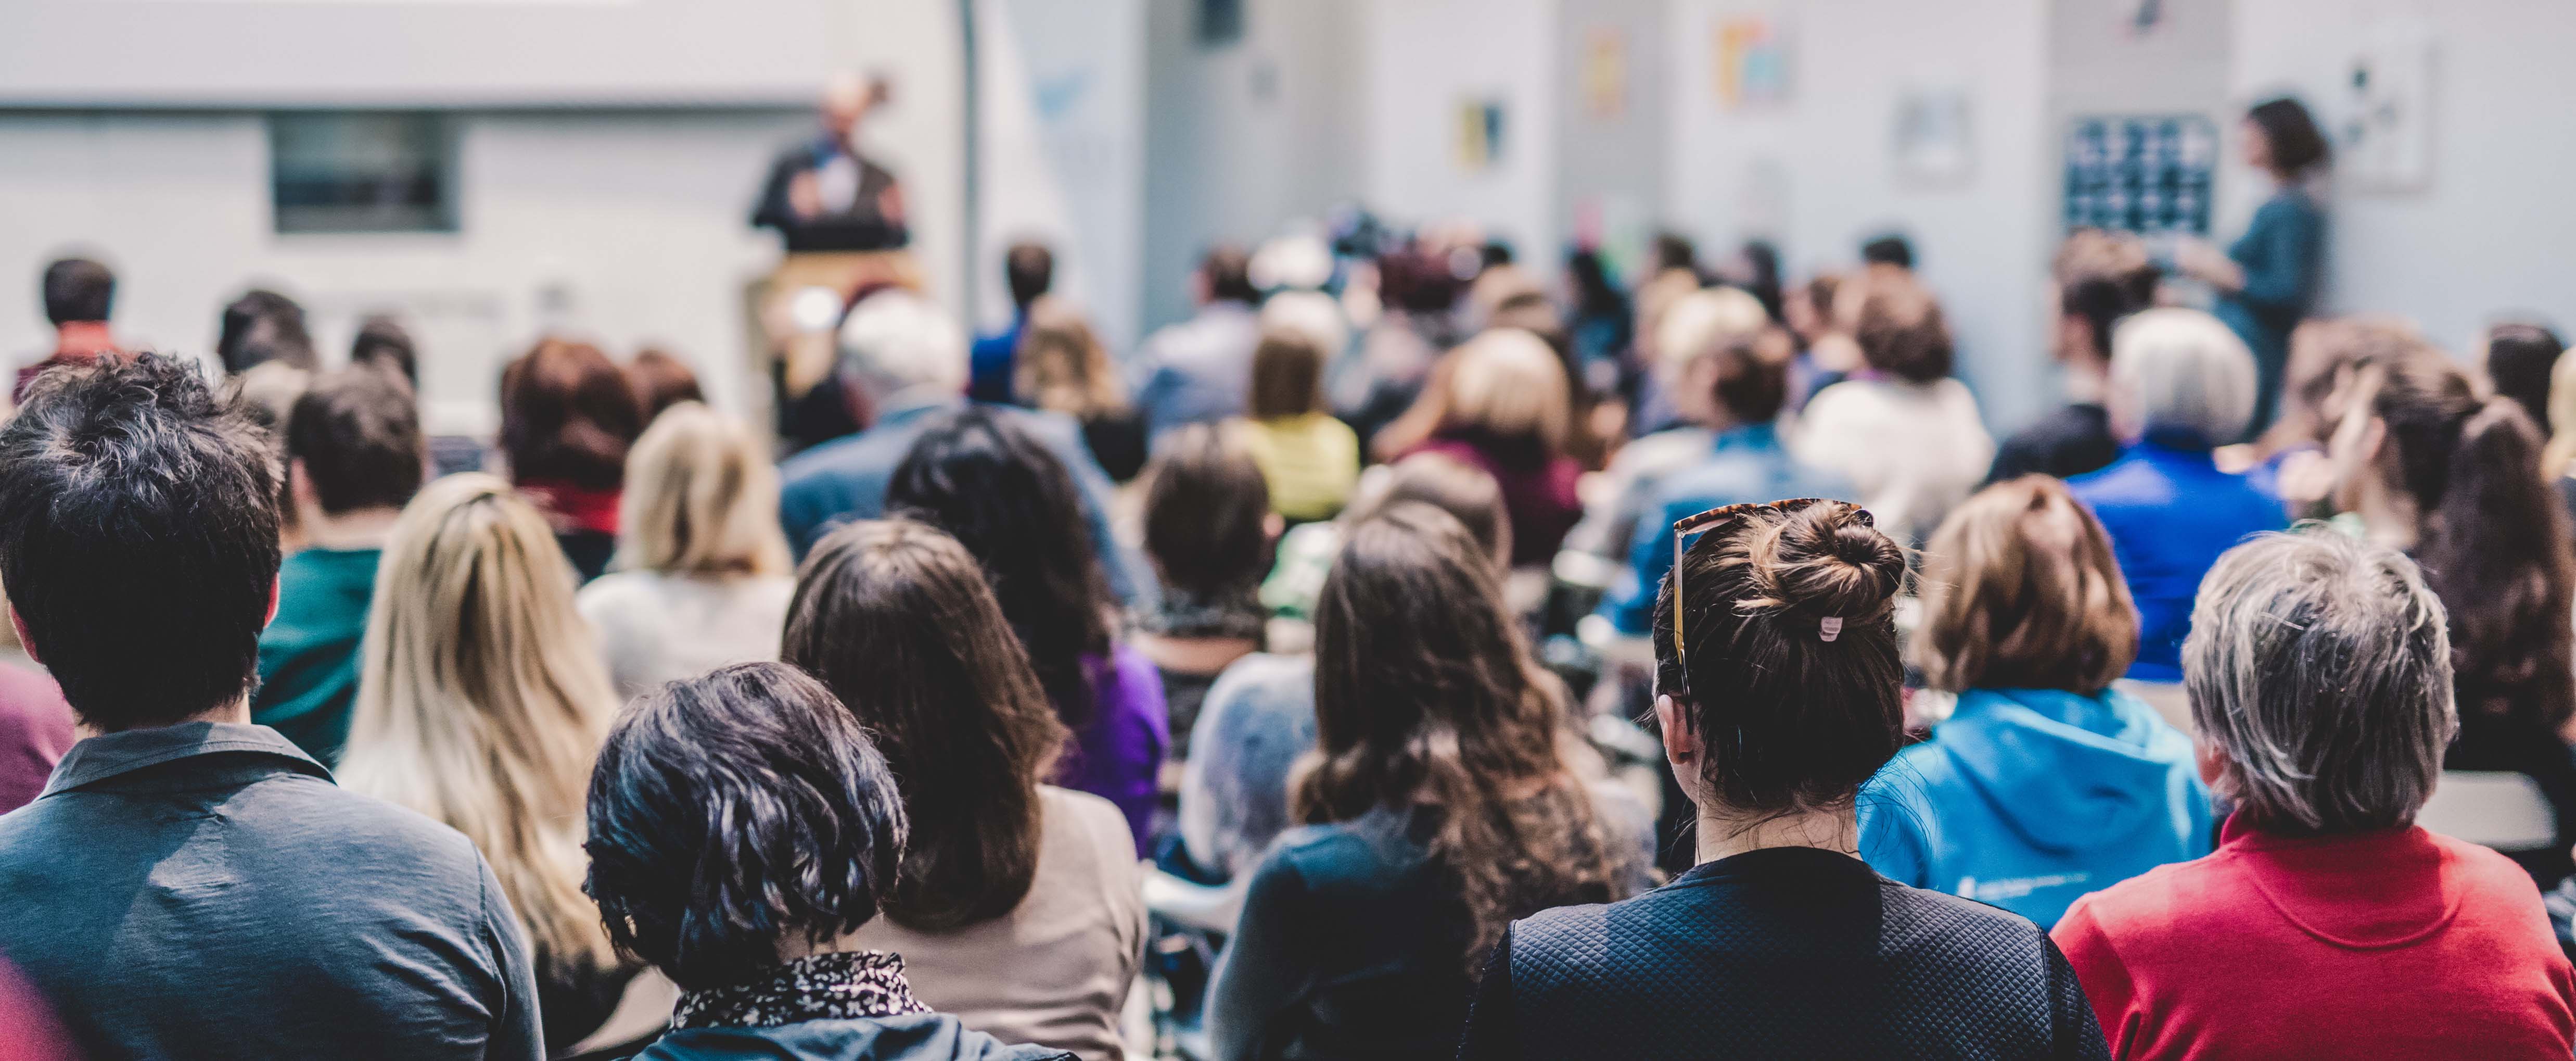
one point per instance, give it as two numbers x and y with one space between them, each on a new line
1397 658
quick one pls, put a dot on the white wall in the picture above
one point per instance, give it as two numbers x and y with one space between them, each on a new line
2494 230
1427 59
1063 157
1982 242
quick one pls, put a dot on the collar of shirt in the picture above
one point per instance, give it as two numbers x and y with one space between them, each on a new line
843 985
111 754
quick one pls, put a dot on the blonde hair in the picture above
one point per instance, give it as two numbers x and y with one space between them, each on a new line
701 499
1063 367
2561 451
2183 370
1702 320
482 700
1509 382
2022 592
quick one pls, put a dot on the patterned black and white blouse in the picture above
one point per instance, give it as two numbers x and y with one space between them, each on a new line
843 985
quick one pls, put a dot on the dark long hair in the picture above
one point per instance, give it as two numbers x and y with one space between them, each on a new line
1010 502
1427 697
896 618
2493 540
569 414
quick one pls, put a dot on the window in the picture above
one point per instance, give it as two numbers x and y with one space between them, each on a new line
338 171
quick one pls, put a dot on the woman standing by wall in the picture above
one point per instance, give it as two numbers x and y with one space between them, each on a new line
2267 280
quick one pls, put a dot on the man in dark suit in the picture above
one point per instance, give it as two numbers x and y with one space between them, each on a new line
821 195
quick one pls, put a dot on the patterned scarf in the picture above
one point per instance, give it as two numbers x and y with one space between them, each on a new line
843 985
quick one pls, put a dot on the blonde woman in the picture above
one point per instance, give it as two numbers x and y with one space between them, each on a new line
702 575
481 703
1064 368
1503 408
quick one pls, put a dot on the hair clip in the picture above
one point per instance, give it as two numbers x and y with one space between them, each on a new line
1831 627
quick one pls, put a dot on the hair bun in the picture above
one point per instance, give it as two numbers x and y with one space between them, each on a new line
1831 559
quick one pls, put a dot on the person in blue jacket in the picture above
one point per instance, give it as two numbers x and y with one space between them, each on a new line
2045 783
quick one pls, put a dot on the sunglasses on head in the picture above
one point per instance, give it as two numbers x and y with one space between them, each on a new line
1718 519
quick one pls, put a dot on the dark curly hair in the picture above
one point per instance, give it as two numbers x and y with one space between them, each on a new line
1001 494
732 812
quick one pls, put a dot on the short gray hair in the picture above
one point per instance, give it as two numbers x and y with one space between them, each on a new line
2320 665
2184 371
896 340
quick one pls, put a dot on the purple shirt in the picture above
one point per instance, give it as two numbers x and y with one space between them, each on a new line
35 731
1119 756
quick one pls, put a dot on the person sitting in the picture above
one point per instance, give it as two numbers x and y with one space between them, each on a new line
1028 270
1465 491
1501 405
2431 466
741 825
1903 431
263 326
1208 529
2182 384
36 726
1197 371
1695 327
1309 459
79 295
1439 807
2102 278
1064 369
481 704
905 363
702 575
383 342
1779 685
354 458
2327 924
2044 783
661 380
993 486
1017 902
1741 391
191 884
568 416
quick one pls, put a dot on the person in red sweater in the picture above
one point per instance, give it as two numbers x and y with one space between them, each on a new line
2326 924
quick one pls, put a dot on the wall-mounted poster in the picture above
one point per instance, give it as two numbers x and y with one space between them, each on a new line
2148 174
1933 145
1751 60
1605 73
1480 134
2387 134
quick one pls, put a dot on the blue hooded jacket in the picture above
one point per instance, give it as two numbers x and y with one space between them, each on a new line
2028 798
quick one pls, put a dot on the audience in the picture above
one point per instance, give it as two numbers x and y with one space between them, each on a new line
354 458
1309 460
79 295
703 575
904 362
2519 357
2454 480
263 326
741 826
2044 783
568 416
1198 371
1739 394
1689 334
2181 384
481 705
1418 298
661 380
997 490
1463 490
1439 807
1029 271
1776 658
2326 924
2102 278
1208 530
1903 431
191 884
1502 407
1064 369
383 342
1016 904
36 726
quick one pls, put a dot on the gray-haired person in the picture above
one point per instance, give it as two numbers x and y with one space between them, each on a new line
2327 924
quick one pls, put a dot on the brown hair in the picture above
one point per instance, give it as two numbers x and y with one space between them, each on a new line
2101 278
1207 513
1752 381
1897 324
357 434
1426 697
661 381
2493 538
1287 376
1466 492
1790 721
568 414
1063 368
2021 591
896 619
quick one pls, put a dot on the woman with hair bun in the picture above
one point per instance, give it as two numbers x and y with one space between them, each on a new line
1778 677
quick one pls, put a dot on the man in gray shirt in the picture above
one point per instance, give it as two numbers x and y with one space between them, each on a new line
190 884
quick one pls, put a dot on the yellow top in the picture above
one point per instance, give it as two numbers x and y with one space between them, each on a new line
1311 462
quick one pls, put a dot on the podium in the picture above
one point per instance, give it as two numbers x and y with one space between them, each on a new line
791 359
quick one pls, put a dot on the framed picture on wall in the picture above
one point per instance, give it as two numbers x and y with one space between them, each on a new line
1933 145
